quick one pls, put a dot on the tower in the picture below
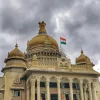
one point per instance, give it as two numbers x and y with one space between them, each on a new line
15 67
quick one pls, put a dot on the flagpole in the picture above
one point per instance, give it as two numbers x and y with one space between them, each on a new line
60 45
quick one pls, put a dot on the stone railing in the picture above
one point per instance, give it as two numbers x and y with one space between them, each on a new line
81 67
16 98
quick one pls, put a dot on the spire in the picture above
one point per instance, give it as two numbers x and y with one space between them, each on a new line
42 27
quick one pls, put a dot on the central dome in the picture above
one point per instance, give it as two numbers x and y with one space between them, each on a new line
42 38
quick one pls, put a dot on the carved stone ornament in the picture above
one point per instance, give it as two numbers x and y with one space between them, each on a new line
42 27
63 63
17 80
95 79
32 77
34 57
29 63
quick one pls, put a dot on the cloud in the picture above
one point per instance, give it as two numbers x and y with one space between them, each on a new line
77 20
97 67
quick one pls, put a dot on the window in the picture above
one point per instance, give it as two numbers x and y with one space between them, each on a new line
35 96
53 84
75 86
54 96
67 96
16 92
42 84
75 97
43 96
64 85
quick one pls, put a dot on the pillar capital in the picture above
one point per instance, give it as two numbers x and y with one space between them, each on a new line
32 77
70 80
81 80
95 79
47 79
89 84
58 79
47 82
38 78
32 81
85 88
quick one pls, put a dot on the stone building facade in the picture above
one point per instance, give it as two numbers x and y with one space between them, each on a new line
46 73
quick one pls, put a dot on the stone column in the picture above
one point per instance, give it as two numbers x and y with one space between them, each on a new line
32 81
59 90
38 88
71 89
81 89
90 92
47 89
94 91
28 92
85 96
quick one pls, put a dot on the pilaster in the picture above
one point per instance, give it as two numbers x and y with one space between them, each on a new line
71 89
58 86
81 89
47 89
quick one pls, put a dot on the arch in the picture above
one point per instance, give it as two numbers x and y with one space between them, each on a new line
64 83
53 77
85 80
76 80
65 79
42 78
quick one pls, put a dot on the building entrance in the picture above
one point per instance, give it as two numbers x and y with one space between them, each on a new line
54 96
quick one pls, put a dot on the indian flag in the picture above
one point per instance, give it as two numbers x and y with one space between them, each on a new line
62 40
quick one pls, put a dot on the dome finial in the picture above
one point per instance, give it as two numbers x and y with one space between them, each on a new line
81 51
16 45
42 27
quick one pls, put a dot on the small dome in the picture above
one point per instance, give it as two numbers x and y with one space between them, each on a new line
16 53
83 59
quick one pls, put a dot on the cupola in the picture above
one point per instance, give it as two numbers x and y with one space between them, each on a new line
15 59
16 53
83 59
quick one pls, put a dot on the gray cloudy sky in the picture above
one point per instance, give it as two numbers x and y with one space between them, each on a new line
77 20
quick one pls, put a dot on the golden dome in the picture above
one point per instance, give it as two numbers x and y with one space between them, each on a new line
42 37
16 53
83 59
